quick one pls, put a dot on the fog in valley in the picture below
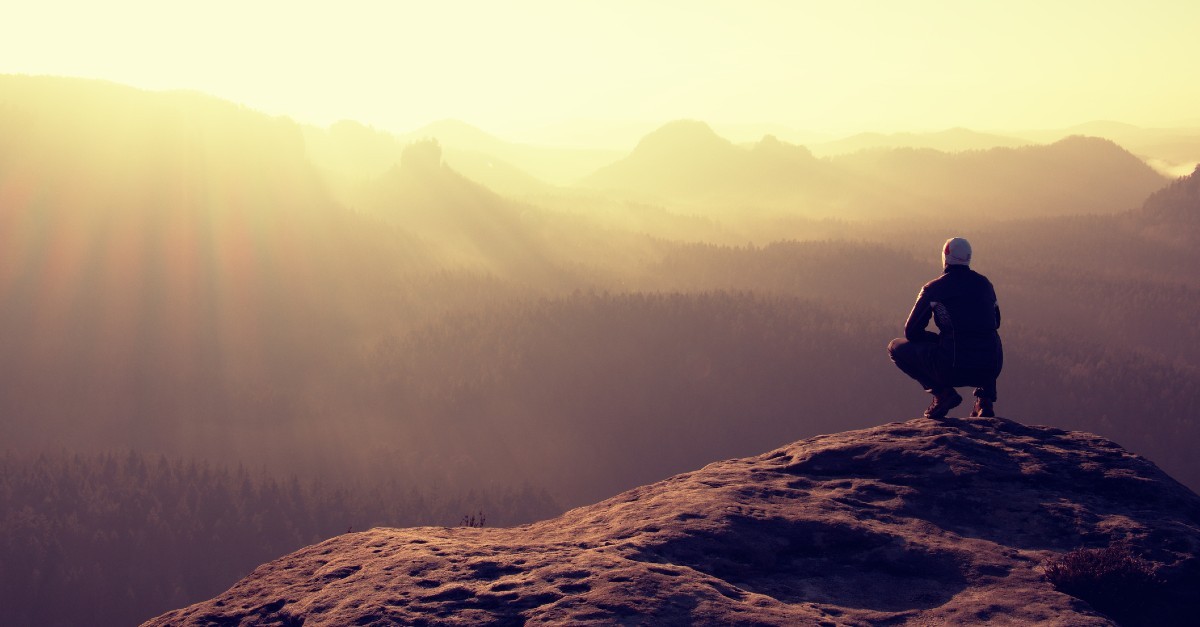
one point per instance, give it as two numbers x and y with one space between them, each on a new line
225 335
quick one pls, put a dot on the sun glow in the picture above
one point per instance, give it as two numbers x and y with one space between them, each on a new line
513 66
153 242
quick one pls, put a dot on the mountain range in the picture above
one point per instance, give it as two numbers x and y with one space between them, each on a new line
687 162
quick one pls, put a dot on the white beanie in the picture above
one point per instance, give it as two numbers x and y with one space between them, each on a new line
957 251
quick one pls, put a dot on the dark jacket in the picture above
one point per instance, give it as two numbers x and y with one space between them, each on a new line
963 305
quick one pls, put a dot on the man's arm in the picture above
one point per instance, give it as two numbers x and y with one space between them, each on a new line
918 319
995 302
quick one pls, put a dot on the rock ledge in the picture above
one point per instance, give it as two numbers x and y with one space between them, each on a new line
919 522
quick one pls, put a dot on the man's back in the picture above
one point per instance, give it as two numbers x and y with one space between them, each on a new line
963 302
967 349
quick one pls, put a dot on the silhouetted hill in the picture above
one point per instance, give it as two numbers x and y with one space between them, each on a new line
1116 264
691 137
771 153
1177 204
918 522
670 160
465 225
686 161
350 153
1077 175
1172 151
424 194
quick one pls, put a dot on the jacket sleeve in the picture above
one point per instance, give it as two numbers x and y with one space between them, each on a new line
995 302
918 319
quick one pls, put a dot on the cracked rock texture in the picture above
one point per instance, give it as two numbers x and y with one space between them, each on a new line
920 522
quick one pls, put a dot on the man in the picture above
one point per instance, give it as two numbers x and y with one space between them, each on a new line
966 351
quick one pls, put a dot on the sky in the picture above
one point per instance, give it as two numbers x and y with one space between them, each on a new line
511 66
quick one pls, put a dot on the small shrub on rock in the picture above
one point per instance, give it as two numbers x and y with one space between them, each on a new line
1113 580
473 521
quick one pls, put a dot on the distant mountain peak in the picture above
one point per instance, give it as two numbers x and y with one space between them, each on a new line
422 155
672 159
1087 140
683 135
772 146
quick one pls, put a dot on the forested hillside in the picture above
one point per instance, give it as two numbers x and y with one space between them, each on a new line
107 539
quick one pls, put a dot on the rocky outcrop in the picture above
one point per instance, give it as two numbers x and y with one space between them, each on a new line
919 522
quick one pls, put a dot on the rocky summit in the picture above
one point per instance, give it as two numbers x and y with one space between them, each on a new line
921 522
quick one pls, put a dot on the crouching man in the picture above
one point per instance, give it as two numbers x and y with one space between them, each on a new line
966 350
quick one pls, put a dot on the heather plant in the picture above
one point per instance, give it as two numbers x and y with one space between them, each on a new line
473 520
1113 580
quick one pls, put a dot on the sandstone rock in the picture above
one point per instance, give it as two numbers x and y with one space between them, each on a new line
921 522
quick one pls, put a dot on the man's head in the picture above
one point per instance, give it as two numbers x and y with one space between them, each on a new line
956 252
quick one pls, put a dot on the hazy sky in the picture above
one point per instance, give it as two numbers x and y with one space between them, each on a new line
513 65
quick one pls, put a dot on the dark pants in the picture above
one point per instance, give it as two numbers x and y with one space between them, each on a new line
920 361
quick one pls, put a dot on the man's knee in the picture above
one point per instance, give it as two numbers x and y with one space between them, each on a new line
904 351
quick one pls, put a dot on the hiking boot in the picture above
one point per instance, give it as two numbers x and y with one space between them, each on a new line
942 403
983 409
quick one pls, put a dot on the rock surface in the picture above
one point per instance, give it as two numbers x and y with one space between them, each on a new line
921 522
